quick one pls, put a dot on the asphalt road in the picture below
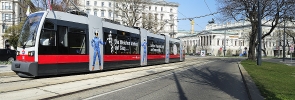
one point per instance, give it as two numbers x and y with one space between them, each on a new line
219 80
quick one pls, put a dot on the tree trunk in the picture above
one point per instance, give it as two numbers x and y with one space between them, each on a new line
264 48
264 52
252 42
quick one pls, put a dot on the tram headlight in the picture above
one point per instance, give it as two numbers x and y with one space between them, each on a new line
31 53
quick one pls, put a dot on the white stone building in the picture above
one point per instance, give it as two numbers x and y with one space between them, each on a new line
236 36
164 11
11 13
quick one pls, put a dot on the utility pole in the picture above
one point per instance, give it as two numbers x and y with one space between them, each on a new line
211 40
284 39
259 35
13 13
224 42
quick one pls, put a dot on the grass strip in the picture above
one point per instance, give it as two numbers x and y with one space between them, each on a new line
275 81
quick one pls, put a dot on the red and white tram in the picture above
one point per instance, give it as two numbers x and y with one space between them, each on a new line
53 42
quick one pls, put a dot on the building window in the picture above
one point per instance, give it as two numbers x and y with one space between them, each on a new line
143 7
110 13
217 42
155 8
95 3
4 28
87 11
116 14
95 12
162 15
123 14
171 17
150 8
161 9
6 17
102 4
110 4
171 10
6 5
87 3
102 13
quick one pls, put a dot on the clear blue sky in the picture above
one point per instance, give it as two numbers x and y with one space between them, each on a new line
194 8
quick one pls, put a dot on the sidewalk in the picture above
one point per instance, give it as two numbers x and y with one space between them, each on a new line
5 68
287 61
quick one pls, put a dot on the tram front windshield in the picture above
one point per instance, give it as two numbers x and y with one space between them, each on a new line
29 31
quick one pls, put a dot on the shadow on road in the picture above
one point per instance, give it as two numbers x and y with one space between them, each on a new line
179 88
229 83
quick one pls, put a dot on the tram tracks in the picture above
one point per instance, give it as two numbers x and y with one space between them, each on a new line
14 78
12 84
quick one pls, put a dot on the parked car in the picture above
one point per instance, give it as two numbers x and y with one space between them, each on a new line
7 55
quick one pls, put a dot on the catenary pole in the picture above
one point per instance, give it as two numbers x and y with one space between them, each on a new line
284 39
259 35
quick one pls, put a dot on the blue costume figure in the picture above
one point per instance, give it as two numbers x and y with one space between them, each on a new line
144 50
95 43
167 54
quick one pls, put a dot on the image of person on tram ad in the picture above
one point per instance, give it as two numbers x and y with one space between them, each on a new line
95 43
144 44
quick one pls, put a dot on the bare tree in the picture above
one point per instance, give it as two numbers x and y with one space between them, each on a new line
130 10
273 10
58 5
134 12
291 33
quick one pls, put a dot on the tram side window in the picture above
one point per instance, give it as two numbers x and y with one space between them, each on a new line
76 41
171 48
178 48
124 44
155 46
47 41
111 43
174 48
48 37
62 40
135 48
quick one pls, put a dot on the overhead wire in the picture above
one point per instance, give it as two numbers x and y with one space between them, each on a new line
209 8
199 16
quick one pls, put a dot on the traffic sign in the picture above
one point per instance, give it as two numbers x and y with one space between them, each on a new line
203 53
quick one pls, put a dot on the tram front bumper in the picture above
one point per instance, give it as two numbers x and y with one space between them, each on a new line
25 69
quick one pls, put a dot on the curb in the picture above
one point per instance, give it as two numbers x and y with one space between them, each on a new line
252 90
5 70
7 73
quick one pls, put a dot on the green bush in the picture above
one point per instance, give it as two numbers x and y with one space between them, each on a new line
4 62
